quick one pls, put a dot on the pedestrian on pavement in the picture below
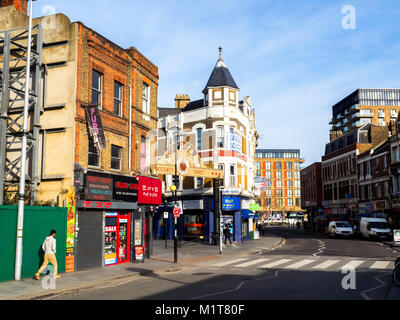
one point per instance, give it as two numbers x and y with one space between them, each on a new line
49 248
227 234
298 224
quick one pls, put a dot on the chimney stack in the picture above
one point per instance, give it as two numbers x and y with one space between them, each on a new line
181 100
21 5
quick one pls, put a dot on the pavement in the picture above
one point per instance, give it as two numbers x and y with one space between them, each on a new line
162 260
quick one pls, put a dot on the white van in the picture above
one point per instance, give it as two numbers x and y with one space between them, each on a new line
375 228
340 228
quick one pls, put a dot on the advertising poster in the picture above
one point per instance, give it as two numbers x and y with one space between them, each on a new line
138 232
139 252
69 258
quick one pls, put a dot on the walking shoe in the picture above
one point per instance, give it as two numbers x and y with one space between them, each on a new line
57 276
36 276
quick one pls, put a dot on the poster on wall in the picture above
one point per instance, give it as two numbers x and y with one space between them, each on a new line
69 258
138 232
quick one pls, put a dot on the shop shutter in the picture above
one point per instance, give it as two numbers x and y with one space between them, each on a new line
89 247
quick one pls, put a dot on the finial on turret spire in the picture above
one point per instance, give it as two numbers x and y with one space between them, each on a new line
220 62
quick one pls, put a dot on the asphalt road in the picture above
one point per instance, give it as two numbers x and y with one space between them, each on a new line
306 266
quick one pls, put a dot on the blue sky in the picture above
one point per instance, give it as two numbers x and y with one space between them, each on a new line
292 57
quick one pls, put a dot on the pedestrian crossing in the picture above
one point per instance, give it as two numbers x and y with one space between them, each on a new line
306 263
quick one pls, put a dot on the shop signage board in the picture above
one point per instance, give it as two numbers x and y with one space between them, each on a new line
193 204
95 126
254 206
106 205
189 163
126 189
191 172
98 187
149 190
230 203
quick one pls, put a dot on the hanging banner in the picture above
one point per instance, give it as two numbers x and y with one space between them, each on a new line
95 126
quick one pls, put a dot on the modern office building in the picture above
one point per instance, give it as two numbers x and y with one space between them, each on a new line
281 170
363 106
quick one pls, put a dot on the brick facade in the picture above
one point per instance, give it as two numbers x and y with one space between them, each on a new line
129 68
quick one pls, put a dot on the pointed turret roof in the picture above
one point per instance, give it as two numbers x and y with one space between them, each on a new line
220 76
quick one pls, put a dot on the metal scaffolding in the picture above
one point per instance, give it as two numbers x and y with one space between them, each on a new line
13 67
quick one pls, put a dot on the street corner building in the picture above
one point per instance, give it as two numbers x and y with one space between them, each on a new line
92 119
216 132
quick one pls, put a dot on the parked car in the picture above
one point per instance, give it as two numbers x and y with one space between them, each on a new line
340 228
375 228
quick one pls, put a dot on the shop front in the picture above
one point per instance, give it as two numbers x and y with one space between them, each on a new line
149 198
106 216
231 217
117 232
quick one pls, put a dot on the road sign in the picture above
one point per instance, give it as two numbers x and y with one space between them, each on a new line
177 212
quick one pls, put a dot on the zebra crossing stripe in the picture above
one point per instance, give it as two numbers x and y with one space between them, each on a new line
380 265
299 264
353 264
326 264
276 263
251 263
229 262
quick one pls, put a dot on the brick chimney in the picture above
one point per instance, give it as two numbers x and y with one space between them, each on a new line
21 5
181 100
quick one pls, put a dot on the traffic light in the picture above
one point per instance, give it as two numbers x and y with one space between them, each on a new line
175 181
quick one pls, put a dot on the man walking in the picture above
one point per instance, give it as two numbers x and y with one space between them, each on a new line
49 248
227 234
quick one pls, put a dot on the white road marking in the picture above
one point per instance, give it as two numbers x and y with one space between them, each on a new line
326 264
221 264
380 265
299 264
353 264
251 263
276 263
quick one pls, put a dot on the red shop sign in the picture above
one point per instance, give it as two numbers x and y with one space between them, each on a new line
96 204
149 191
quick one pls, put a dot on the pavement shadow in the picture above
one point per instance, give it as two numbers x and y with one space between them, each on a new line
279 284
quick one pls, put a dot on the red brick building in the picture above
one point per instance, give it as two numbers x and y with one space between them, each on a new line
311 186
374 179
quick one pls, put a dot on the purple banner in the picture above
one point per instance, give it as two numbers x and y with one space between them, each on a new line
95 126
